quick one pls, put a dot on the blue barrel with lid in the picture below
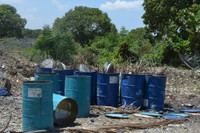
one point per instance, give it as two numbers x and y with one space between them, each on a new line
37 105
61 79
107 89
93 84
41 69
132 87
154 92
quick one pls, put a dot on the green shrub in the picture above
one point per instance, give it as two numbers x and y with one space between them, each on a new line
57 45
34 54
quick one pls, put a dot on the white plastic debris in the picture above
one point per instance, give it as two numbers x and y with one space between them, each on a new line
47 63
2 75
61 66
84 68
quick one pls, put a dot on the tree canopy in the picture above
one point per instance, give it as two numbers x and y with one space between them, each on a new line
85 24
177 22
11 23
29 33
57 45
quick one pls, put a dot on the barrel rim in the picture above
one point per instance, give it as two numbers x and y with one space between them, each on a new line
37 81
134 74
84 72
61 70
72 108
77 76
109 73
67 99
46 73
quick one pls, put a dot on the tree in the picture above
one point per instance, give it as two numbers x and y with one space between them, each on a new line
176 20
59 46
106 48
29 33
11 23
85 24
142 35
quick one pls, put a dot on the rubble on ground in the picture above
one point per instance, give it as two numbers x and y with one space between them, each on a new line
182 91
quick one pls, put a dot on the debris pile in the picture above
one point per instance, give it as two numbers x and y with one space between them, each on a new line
12 66
182 92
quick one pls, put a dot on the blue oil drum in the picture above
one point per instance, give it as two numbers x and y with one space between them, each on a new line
154 92
132 87
93 84
65 110
61 79
107 89
37 105
48 76
40 69
78 88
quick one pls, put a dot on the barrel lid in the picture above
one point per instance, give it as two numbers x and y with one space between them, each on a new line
174 117
180 114
150 113
117 115
190 110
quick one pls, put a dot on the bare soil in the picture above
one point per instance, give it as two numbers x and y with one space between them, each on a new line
182 91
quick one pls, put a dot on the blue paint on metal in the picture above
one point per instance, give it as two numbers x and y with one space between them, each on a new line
65 110
48 76
132 87
40 69
190 110
61 79
117 115
37 105
154 92
61 87
63 73
78 88
93 84
107 89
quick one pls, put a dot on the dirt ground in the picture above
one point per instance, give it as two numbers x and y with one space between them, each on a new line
182 91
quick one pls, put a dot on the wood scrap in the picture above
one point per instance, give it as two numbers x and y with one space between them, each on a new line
109 128
114 128
6 126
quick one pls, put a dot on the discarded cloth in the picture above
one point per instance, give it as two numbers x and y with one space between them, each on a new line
4 92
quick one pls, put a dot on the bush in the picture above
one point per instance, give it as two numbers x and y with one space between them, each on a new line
57 45
106 49
34 54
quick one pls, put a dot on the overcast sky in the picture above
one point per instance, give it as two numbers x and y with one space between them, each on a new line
38 13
